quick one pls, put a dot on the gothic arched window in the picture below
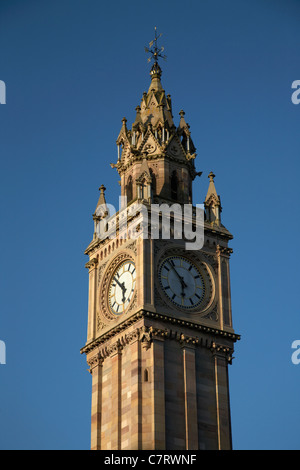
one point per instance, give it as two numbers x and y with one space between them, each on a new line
143 189
153 184
129 192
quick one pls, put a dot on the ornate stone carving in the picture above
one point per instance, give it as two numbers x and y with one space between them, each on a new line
132 246
224 351
95 361
100 324
92 263
145 338
100 271
212 315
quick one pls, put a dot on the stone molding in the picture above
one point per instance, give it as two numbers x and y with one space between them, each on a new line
146 335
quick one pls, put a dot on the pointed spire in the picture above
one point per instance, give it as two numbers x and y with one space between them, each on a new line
211 188
101 208
183 126
138 120
212 202
123 135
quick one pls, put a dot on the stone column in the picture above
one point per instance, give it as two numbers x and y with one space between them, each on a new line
91 329
223 255
136 394
158 390
96 371
190 397
116 397
222 401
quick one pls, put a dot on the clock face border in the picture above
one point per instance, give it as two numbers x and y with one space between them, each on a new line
120 283
210 298
104 312
176 282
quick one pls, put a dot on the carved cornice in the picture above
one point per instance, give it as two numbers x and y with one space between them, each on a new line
95 361
146 334
224 251
92 263
223 351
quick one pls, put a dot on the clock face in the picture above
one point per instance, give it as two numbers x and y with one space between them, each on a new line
122 286
182 282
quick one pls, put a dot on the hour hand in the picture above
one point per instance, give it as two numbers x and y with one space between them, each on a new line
121 285
183 284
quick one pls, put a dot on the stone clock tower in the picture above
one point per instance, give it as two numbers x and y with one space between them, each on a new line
160 334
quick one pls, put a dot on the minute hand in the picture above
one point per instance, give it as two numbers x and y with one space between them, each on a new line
121 285
183 284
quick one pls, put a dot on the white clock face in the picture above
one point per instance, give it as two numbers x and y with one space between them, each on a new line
122 287
182 282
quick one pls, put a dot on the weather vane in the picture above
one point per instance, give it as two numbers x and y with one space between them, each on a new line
154 50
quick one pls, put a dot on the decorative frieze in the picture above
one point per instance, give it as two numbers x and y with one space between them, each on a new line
146 335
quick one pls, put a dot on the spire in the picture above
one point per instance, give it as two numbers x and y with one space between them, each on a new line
212 202
183 126
101 208
154 136
138 120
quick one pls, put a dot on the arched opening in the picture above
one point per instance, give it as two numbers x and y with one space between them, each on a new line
153 184
143 189
129 191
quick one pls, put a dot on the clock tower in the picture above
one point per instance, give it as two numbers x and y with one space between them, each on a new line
160 335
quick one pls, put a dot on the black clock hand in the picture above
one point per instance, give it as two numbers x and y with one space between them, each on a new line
179 277
121 285
183 284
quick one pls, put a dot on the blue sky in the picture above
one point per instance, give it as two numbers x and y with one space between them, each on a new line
72 70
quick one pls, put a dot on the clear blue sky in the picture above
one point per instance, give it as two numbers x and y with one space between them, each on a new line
73 69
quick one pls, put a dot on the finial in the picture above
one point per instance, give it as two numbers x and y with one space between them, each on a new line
101 209
181 113
211 176
155 52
